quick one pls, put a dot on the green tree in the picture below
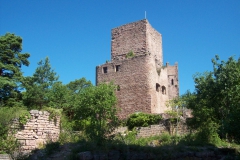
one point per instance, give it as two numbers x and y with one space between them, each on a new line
216 101
11 61
65 96
97 106
58 96
74 92
39 85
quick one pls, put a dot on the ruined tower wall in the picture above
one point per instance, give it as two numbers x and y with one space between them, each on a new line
173 81
145 85
129 37
159 87
154 44
133 80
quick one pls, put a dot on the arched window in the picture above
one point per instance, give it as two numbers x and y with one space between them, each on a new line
157 87
163 90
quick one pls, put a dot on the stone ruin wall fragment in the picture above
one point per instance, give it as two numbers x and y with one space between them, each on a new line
39 130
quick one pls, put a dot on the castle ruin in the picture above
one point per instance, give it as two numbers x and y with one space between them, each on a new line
144 84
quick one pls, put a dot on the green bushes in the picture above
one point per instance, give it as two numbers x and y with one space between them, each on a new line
142 120
7 142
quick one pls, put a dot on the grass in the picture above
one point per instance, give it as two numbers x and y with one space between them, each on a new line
164 146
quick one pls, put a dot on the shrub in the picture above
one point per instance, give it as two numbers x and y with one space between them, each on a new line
142 120
51 147
7 142
130 54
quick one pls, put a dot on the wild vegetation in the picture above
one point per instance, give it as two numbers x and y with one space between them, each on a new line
215 106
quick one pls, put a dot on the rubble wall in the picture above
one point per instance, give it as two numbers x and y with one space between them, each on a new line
39 130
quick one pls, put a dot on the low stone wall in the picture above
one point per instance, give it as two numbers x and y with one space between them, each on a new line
153 130
158 129
37 131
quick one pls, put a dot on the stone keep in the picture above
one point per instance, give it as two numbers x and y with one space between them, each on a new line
144 84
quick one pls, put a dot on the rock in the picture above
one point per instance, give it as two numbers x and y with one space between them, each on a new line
100 156
34 112
113 155
87 155
5 157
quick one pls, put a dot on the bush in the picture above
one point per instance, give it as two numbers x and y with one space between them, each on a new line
52 147
142 120
7 142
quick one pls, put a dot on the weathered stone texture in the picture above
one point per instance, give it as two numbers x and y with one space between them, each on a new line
144 84
37 131
129 37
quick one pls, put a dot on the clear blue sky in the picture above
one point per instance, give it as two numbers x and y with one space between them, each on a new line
76 34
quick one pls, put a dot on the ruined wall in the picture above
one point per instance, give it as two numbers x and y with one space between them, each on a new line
173 83
37 131
154 130
154 44
129 37
132 78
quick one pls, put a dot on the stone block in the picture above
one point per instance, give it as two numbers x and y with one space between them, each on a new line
34 112
5 157
87 155
30 142
46 113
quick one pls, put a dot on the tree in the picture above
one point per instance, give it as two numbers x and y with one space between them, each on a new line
58 96
216 100
65 96
177 106
39 85
97 105
11 61
74 92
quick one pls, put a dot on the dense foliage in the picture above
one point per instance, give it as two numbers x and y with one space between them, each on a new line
98 104
140 119
83 105
216 101
7 141
11 61
39 85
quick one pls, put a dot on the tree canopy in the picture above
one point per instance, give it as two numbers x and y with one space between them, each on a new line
11 61
39 85
216 100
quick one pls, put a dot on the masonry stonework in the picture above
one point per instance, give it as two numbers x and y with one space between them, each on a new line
144 83
37 131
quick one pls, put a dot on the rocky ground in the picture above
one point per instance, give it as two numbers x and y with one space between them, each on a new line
68 152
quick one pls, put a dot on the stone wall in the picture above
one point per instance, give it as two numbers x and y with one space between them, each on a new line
37 131
158 129
161 128
132 78
129 37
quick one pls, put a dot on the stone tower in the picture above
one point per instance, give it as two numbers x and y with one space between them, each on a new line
136 67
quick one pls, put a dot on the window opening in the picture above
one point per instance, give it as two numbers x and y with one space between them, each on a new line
163 90
172 82
104 69
157 87
117 68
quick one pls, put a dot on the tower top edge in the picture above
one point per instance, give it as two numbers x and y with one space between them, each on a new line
132 23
